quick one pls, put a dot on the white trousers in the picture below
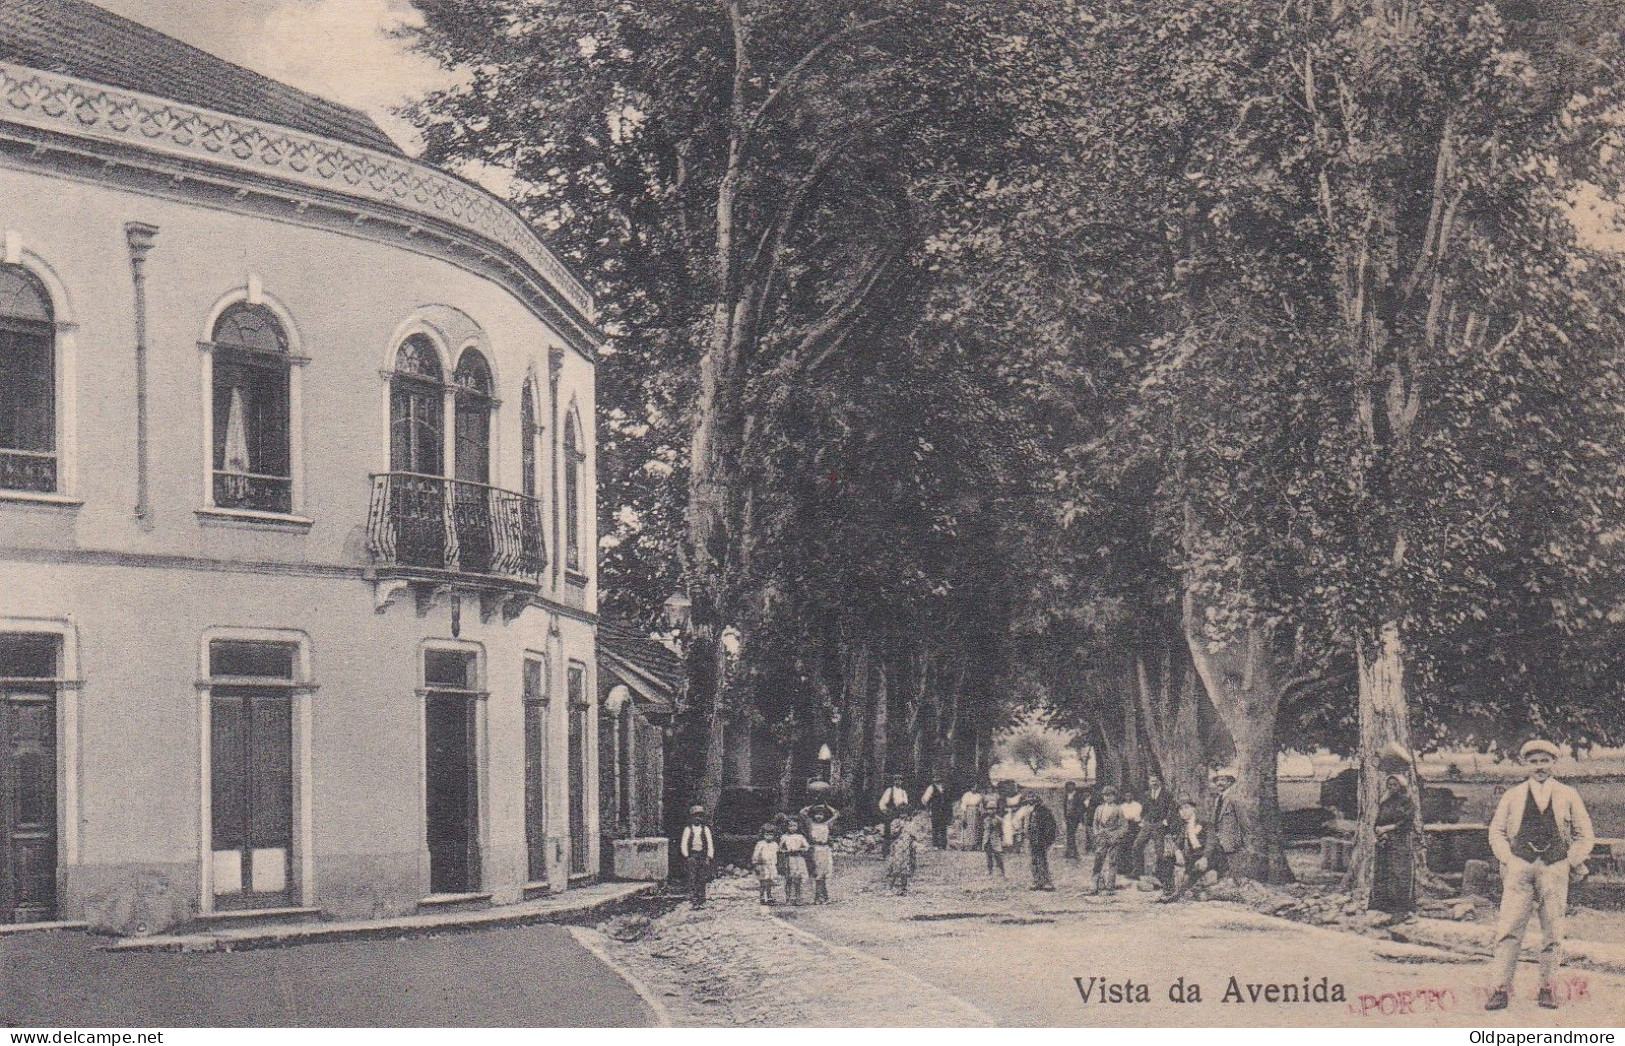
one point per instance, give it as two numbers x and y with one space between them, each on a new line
1531 889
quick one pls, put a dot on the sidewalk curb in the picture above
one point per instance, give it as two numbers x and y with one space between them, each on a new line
593 907
1424 938
978 1016
587 939
1591 955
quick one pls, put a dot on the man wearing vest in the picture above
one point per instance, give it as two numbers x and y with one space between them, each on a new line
698 850
1541 834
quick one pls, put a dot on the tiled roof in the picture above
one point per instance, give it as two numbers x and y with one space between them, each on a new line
644 665
76 38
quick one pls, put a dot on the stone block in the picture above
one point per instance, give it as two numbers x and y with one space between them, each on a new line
1478 879
642 860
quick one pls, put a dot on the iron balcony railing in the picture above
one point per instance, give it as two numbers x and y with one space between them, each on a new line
249 490
435 523
33 471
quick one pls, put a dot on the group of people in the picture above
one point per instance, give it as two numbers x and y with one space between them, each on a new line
1541 834
1127 834
1176 842
795 848
899 845
997 824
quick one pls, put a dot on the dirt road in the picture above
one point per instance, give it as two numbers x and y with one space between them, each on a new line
1023 958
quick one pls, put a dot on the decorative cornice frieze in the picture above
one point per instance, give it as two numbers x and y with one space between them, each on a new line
65 105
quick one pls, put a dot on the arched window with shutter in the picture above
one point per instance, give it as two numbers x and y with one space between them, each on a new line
473 407
575 459
527 440
417 409
28 438
251 377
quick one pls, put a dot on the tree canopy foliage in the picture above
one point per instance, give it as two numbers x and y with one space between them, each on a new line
1212 374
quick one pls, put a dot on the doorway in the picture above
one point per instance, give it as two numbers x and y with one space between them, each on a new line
251 773
28 667
451 769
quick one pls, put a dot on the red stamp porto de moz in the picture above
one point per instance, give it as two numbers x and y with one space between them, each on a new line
1416 1001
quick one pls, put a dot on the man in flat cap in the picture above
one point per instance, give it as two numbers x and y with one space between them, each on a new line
1226 834
1541 834
699 849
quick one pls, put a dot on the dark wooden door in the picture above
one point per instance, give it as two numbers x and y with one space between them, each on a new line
535 771
453 799
251 795
27 805
579 740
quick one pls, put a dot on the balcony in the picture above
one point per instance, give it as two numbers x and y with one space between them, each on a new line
448 533
27 470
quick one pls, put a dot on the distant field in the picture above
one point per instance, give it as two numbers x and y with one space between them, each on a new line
1604 799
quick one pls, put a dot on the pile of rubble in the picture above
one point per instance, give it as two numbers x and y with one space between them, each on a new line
861 841
870 839
1307 904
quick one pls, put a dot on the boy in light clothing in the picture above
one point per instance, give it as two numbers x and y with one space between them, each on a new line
765 859
794 846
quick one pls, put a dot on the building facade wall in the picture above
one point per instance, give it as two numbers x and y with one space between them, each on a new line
139 597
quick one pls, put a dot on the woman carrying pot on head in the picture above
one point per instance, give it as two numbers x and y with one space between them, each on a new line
819 819
1393 880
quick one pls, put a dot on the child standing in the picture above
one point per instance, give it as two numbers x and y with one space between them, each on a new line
784 824
793 845
765 859
993 832
904 859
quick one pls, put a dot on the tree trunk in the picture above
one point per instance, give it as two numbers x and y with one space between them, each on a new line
915 711
854 698
1384 721
1242 678
1171 702
1133 778
1109 755
712 465
716 727
879 736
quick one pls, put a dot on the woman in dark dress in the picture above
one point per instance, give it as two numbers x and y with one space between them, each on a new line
1393 886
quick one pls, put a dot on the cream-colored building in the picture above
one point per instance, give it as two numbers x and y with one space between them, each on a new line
297 593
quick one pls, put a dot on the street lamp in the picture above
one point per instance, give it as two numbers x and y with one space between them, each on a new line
677 609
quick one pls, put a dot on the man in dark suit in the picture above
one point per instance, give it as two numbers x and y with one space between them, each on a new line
1226 836
1156 821
935 799
1040 837
1075 813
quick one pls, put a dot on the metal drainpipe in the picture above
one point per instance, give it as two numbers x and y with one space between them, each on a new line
555 364
139 236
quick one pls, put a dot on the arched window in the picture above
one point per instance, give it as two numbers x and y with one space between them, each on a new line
417 409
527 441
473 381
574 460
252 466
28 451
